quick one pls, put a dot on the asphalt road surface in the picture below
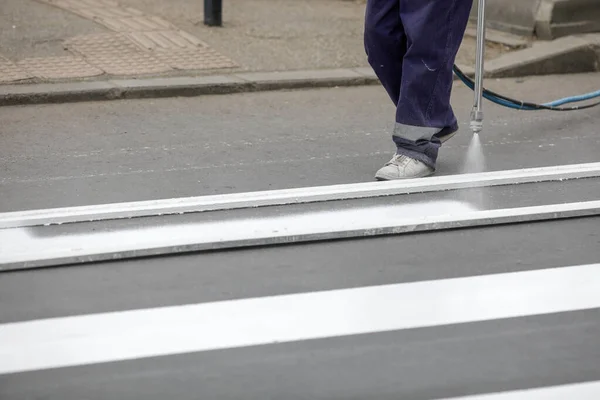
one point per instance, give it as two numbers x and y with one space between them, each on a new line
94 153
134 150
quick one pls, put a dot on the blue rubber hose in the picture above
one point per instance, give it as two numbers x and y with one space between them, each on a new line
574 99
527 106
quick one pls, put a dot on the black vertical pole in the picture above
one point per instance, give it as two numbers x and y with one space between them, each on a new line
213 10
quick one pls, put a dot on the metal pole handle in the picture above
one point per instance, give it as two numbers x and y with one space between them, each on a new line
213 12
477 112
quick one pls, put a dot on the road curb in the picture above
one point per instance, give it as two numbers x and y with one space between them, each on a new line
11 95
572 54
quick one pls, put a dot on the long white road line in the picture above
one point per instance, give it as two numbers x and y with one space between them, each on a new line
295 196
22 248
128 335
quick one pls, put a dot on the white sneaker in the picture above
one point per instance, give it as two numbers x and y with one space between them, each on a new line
403 167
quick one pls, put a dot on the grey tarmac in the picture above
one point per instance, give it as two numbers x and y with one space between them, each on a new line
94 153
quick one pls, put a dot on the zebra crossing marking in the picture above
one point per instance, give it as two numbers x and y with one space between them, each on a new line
137 334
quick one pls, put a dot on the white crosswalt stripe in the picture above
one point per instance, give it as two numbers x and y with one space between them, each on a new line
295 196
22 248
579 391
89 339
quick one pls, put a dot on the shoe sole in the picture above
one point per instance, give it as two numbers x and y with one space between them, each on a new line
385 178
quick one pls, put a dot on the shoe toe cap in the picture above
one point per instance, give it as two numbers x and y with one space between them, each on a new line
413 170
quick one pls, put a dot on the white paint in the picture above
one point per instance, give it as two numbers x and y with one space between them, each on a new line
578 391
23 245
25 248
109 337
295 196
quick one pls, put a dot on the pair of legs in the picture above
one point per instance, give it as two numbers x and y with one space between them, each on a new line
411 45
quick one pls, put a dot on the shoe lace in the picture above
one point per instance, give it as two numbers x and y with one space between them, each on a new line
399 160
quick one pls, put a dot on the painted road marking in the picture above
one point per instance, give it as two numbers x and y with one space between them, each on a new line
295 196
128 335
22 248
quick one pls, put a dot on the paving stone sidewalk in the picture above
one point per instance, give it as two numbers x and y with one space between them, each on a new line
70 40
133 43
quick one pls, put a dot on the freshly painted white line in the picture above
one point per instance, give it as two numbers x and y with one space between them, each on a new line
127 335
577 391
30 247
294 196
22 248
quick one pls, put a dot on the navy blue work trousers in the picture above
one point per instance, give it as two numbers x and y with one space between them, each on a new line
412 45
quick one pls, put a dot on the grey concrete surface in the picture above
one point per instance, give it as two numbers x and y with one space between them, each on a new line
571 54
547 19
258 35
261 35
271 35
29 28
512 16
91 153
568 17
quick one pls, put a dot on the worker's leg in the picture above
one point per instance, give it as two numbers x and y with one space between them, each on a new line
385 43
434 31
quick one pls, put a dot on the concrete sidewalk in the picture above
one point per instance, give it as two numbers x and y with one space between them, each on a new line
72 40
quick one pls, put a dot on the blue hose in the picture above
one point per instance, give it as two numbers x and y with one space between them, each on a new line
521 105
574 99
492 98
